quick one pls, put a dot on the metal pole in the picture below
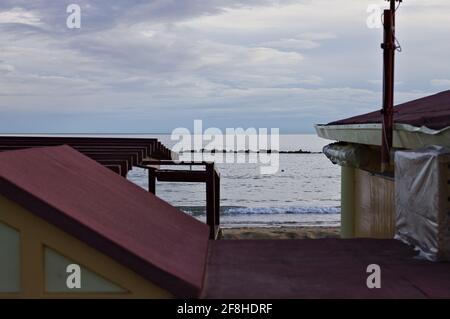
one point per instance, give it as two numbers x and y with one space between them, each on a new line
388 47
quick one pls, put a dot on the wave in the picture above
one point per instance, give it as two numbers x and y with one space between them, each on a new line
239 210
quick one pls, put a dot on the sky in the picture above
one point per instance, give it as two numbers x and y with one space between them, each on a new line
152 66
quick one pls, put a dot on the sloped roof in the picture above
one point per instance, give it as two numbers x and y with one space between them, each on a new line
432 112
109 213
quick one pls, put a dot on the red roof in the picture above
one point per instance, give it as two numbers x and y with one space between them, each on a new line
106 211
320 268
432 111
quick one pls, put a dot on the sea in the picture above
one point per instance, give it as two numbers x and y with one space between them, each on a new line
305 191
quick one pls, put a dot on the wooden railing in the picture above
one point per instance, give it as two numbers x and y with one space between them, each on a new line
210 176
118 154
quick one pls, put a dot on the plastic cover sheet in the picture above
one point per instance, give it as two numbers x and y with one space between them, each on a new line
422 200
347 154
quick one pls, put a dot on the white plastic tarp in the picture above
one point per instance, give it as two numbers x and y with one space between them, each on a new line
422 200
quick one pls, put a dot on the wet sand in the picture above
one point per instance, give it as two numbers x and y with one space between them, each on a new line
281 233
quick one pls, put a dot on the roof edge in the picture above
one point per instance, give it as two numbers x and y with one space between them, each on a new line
405 135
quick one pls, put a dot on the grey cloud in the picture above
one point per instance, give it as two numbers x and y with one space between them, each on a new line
212 58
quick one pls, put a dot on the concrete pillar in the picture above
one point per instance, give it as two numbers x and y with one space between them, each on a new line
347 202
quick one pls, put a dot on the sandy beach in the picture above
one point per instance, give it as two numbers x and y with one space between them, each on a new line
280 233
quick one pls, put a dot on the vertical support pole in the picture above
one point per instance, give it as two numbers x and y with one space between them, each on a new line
217 199
151 180
392 8
347 202
210 200
388 47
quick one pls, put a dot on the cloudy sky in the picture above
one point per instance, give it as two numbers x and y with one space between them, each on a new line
152 66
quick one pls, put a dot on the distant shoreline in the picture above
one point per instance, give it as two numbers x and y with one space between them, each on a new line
250 152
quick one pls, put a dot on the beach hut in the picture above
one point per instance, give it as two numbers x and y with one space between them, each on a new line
70 227
372 197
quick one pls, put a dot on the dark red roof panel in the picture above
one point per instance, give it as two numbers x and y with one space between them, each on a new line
432 111
106 211
320 268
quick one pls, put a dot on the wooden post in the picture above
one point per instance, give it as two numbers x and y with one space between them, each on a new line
210 200
217 198
151 180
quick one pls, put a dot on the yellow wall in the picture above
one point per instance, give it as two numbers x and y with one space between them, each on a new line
36 234
374 198
9 259
347 202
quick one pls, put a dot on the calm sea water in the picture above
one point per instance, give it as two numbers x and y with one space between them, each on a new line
304 192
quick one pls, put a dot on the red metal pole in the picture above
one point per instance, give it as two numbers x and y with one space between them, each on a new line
388 47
